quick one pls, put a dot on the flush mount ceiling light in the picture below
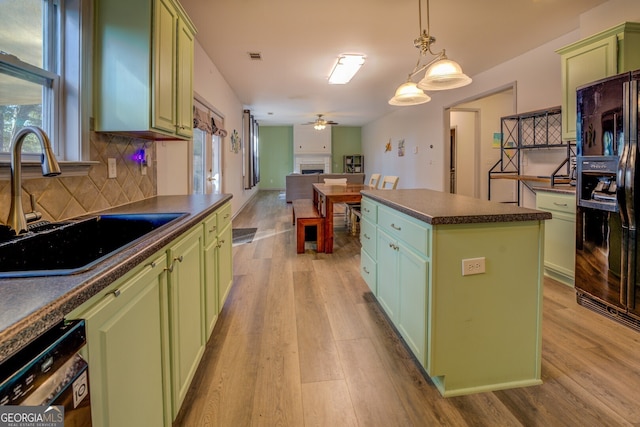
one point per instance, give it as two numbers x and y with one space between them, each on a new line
442 73
346 67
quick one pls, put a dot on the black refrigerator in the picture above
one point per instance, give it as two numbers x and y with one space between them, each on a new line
608 173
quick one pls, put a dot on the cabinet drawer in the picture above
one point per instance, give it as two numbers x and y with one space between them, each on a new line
224 216
210 229
368 270
369 210
368 237
412 231
556 202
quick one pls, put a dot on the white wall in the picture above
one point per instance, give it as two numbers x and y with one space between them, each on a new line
426 127
212 87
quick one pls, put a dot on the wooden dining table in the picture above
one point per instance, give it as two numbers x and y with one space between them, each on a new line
324 197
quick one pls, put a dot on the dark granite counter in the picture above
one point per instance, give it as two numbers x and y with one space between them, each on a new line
29 306
435 207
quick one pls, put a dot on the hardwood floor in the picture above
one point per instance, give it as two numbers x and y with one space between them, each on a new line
301 342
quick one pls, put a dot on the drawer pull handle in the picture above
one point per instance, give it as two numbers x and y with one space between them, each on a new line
366 236
564 205
212 229
170 268
396 227
151 264
366 210
115 292
394 247
226 216
365 270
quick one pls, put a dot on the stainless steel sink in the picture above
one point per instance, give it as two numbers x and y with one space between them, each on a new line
74 246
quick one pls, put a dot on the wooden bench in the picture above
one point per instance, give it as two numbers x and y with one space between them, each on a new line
305 214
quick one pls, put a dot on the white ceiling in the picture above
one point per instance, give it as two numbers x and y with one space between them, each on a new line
299 41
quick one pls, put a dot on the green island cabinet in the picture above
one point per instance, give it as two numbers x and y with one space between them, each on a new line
473 333
143 69
146 332
604 54
559 234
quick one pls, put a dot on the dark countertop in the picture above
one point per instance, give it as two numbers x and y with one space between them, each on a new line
436 207
29 306
562 189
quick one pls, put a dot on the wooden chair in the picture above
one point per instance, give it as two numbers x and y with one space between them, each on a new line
392 182
374 180
339 209
353 209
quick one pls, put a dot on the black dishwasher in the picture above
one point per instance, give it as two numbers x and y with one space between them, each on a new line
48 378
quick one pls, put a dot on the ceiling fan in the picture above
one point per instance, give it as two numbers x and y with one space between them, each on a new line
321 123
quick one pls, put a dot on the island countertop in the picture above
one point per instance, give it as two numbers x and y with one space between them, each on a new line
31 305
436 207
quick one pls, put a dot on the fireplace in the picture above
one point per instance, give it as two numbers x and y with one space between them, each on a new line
309 168
307 164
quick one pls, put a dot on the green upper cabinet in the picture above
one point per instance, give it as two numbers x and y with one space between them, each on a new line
143 69
605 54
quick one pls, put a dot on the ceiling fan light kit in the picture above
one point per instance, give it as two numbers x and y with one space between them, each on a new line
321 123
442 73
345 68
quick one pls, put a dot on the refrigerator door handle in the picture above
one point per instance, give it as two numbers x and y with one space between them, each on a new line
622 194
629 250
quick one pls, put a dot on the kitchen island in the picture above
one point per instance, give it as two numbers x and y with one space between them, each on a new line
461 281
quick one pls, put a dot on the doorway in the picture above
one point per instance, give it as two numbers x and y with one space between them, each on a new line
470 150
206 160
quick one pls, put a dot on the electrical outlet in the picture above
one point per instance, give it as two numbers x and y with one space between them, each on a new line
111 163
472 266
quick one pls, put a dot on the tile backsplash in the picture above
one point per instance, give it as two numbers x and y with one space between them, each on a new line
65 197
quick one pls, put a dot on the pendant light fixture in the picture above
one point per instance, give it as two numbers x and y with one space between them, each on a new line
442 73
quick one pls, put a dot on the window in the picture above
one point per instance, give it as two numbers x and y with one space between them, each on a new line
41 71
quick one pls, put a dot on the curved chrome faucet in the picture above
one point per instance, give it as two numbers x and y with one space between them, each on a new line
17 220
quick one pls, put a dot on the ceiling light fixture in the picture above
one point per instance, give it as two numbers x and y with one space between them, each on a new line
345 68
442 73
319 126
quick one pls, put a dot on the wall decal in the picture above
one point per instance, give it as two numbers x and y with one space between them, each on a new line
235 141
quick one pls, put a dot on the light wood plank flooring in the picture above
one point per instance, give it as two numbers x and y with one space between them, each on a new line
301 342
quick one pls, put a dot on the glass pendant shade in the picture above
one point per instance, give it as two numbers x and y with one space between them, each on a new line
444 74
409 94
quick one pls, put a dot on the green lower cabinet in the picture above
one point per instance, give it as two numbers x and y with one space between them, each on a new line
559 235
211 306
211 285
146 332
388 285
225 264
412 314
187 312
127 350
402 286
